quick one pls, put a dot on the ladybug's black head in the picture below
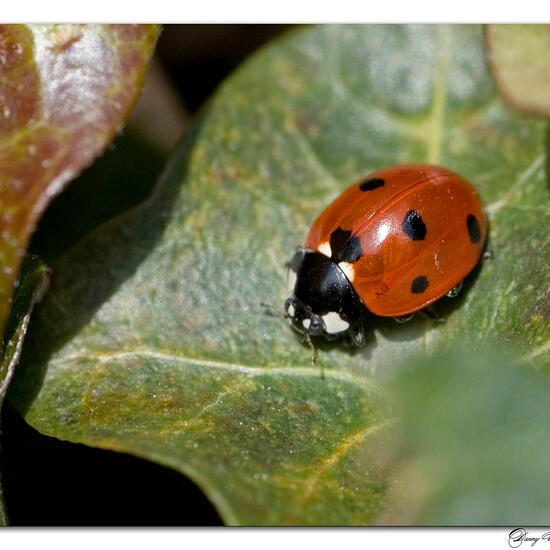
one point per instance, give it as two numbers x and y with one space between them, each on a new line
322 300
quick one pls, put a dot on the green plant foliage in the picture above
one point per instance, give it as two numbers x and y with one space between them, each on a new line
153 341
518 56
474 443
31 287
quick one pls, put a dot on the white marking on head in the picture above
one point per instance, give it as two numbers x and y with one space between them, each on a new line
306 323
291 280
334 323
348 269
324 248
291 311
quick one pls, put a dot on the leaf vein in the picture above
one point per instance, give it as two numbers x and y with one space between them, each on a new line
339 453
171 356
312 157
537 351
497 205
434 137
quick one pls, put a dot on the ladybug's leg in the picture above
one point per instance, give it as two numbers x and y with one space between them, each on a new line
431 314
403 318
314 357
357 335
455 291
297 258
488 255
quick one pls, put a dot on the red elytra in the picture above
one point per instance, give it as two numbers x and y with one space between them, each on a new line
404 236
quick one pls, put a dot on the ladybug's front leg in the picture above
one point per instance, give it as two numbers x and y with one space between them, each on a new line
355 336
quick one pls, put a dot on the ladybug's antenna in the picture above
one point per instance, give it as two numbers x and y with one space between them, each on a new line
274 311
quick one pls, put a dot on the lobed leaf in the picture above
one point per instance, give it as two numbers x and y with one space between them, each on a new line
152 340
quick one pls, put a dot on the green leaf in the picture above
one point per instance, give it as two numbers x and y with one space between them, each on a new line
64 92
31 287
153 341
519 61
474 443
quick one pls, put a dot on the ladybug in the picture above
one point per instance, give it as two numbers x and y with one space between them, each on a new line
390 245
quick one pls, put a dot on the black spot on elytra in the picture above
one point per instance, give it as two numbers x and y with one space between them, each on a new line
371 184
419 285
414 226
345 247
474 230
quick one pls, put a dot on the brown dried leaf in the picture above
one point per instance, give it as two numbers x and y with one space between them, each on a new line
519 62
64 92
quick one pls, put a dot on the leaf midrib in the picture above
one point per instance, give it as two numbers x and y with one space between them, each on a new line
251 370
